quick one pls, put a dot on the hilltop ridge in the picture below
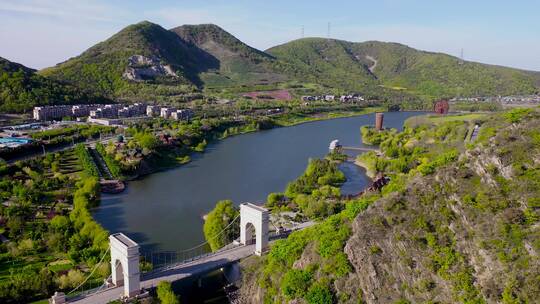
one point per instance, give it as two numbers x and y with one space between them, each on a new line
146 61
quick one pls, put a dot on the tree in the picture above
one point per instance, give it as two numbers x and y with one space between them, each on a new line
146 140
216 221
166 294
274 199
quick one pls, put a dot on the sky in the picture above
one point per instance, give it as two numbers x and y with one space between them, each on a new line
42 33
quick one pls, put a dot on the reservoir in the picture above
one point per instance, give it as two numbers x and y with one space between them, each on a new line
163 211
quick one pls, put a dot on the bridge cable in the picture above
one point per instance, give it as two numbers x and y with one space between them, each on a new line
211 238
91 273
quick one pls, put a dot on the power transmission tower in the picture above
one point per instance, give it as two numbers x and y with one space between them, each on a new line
302 31
461 60
328 33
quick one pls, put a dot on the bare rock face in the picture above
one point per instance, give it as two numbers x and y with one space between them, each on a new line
249 290
142 68
387 265
456 236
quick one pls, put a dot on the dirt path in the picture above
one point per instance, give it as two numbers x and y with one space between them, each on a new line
375 61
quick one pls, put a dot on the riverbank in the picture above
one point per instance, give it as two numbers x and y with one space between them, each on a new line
167 160
369 171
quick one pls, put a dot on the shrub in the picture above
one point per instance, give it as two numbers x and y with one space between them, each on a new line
516 115
295 283
319 293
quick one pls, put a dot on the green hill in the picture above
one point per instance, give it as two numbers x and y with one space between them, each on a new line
146 61
100 69
198 55
21 89
352 65
236 62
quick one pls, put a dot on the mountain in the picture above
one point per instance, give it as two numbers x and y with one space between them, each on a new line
458 221
21 89
133 63
146 61
237 63
353 65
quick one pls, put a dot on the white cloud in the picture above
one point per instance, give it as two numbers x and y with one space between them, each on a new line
67 9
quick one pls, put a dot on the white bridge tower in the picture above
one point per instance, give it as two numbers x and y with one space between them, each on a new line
254 219
125 264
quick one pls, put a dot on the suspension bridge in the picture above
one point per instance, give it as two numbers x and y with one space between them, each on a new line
127 281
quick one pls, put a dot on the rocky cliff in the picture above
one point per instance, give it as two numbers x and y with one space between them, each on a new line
460 229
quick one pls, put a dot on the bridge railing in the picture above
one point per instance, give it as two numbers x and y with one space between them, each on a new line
176 263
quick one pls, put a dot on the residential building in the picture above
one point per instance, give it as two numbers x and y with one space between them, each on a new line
153 111
184 114
166 112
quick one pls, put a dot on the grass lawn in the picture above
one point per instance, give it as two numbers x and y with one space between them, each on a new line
60 265
457 117
291 120
414 121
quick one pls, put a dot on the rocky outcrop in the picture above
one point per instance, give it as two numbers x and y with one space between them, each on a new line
466 232
249 291
460 235
142 68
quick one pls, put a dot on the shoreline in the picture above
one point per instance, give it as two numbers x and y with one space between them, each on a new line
292 124
361 164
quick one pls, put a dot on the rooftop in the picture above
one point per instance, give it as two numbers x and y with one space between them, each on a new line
125 240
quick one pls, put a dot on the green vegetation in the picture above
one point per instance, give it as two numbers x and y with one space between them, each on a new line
113 165
230 62
100 68
207 58
165 293
400 71
21 89
316 192
475 106
215 223
453 208
370 136
47 243
86 160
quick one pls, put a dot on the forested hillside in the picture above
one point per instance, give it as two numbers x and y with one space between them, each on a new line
21 89
147 62
100 69
399 67
458 223
235 63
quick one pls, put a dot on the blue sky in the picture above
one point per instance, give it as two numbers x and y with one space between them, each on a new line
41 33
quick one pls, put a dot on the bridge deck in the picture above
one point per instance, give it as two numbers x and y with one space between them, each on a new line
173 273
184 270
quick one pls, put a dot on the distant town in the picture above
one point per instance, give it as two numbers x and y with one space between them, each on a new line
117 114
109 114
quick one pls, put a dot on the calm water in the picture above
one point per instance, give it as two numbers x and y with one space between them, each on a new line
163 211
